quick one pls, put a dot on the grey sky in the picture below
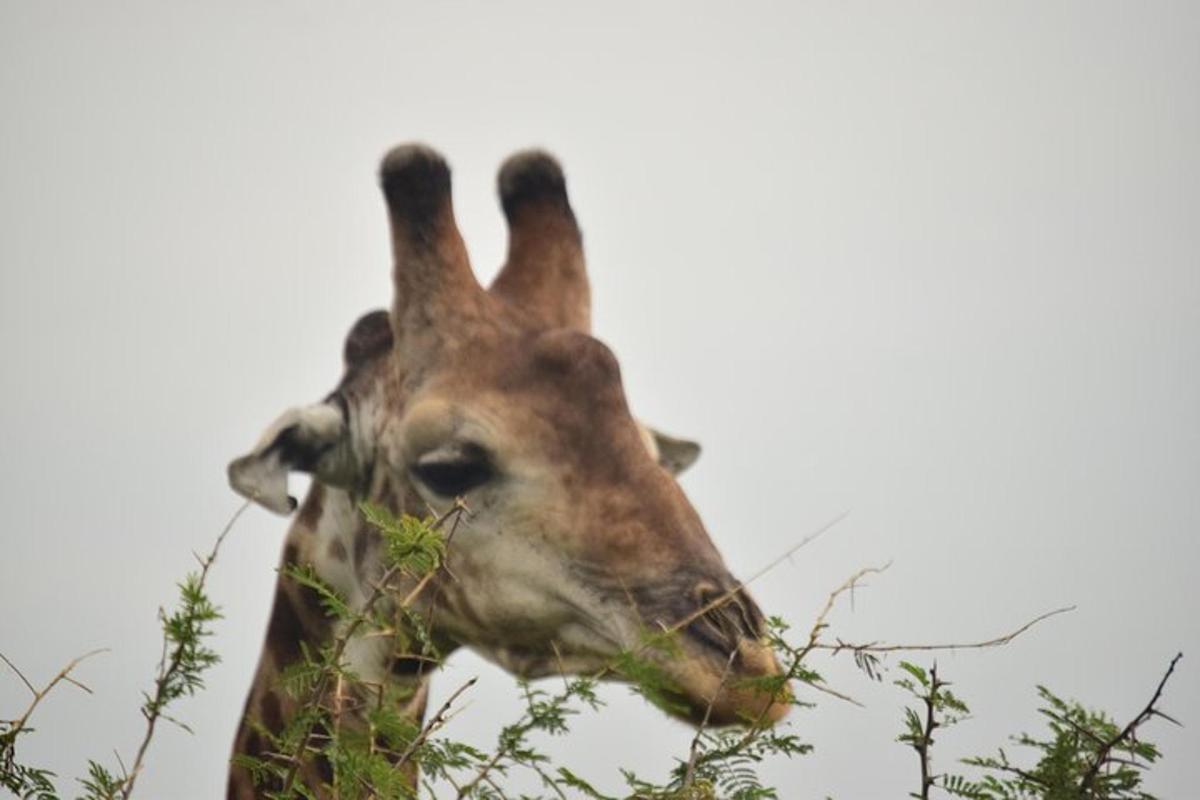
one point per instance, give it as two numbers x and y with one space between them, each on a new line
936 264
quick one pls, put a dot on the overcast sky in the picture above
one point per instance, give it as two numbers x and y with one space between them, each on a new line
934 264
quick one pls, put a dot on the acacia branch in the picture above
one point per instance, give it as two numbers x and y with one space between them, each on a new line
756 727
923 742
17 726
439 719
875 647
482 774
168 670
1102 755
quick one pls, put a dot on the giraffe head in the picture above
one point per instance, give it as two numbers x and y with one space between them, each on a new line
578 538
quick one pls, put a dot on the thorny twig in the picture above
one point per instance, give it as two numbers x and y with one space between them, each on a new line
690 774
16 726
875 647
439 719
169 668
482 774
20 675
923 742
722 599
756 727
1146 714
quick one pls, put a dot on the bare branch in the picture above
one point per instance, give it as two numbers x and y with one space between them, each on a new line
839 695
873 647
20 675
18 724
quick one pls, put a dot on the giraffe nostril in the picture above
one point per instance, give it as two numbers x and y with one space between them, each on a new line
728 616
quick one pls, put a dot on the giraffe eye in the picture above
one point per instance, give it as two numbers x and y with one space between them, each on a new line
454 470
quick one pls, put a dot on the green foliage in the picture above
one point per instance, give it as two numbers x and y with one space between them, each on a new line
547 713
946 708
723 763
1080 742
413 545
728 761
184 634
22 780
334 604
100 783
940 709
1084 756
371 754
641 666
185 659
376 750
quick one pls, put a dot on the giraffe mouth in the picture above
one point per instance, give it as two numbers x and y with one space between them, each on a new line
719 667
717 686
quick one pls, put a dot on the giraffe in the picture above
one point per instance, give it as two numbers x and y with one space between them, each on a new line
578 535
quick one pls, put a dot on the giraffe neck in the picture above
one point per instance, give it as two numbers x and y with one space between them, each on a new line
330 535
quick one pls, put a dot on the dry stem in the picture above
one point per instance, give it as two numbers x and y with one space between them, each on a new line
64 675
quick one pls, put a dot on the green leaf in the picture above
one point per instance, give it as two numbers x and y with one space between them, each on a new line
917 672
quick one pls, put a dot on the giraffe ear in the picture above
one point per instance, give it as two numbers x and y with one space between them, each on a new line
672 454
312 439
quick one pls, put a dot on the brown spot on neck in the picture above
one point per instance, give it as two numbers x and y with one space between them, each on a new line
337 551
362 539
314 506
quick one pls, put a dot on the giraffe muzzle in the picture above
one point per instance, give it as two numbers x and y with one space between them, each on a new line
723 670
